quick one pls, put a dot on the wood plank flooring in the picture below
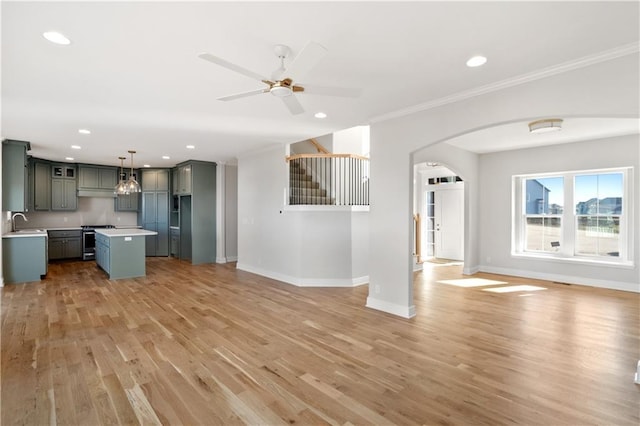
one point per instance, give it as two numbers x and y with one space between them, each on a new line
213 345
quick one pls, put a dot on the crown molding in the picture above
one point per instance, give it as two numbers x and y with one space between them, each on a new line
585 61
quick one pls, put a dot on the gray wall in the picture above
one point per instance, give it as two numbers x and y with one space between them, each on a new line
602 89
320 246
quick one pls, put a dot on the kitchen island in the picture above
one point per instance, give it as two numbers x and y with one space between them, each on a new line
24 255
121 252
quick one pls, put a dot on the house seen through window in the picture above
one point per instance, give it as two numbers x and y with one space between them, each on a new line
581 215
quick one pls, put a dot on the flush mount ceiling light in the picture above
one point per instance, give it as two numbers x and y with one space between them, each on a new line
69 158
56 37
320 115
476 61
545 125
191 147
84 131
76 147
166 157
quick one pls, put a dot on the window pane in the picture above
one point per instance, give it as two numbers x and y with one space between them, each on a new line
543 234
544 195
598 235
599 194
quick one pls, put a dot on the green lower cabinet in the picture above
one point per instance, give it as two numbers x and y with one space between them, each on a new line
121 257
24 259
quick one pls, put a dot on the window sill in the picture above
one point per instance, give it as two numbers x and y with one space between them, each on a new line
575 260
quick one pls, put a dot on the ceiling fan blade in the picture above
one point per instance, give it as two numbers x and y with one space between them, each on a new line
292 104
228 65
243 94
308 58
344 92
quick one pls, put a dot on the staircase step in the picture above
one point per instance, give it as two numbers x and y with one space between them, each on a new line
312 200
303 192
299 176
303 184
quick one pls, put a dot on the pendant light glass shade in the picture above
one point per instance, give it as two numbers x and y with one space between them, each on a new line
132 184
121 187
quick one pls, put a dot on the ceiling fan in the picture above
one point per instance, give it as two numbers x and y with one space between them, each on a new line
284 88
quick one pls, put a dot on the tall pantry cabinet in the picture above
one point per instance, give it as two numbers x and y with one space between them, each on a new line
194 186
154 215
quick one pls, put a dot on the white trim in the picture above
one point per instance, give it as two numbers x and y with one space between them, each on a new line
221 220
391 308
470 270
232 258
305 282
585 61
221 260
590 282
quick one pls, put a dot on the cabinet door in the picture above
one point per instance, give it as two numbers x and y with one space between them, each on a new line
149 207
71 198
56 248
149 180
151 241
73 247
162 180
185 179
88 177
107 178
42 186
14 176
175 185
63 194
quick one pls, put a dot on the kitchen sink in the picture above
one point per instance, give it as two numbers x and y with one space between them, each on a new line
30 231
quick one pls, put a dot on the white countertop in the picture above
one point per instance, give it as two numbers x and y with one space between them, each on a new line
132 232
22 233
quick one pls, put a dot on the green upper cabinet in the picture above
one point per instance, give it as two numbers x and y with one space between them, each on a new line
41 186
63 194
90 177
96 181
14 175
128 202
182 180
155 180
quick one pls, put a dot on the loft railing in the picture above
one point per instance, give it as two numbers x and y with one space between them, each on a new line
328 179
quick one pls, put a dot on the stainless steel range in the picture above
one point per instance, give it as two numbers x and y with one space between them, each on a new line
89 240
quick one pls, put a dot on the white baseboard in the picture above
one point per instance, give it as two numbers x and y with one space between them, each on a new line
590 282
470 270
391 308
232 258
305 282
226 259
221 260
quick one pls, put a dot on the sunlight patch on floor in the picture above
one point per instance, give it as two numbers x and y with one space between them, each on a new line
471 282
514 288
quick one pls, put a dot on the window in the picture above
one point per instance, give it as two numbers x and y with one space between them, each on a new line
582 216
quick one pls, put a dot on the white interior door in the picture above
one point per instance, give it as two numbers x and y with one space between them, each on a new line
449 223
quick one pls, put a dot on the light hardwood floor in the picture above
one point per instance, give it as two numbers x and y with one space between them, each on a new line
212 345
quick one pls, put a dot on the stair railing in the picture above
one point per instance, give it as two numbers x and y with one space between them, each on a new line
328 179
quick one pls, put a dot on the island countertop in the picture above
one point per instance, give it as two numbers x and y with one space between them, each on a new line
131 232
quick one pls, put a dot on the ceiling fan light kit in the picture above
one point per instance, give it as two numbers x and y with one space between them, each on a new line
283 88
545 125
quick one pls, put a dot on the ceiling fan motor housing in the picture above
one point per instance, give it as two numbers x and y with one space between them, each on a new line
280 89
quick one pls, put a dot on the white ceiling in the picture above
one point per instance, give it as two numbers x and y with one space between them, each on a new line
132 76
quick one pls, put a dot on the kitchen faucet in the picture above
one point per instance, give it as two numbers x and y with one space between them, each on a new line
13 220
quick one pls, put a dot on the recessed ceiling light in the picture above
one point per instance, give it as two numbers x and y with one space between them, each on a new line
56 37
320 115
476 61
191 147
69 158
84 131
76 147
146 165
165 157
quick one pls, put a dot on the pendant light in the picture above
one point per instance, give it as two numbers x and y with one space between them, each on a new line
121 187
132 183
